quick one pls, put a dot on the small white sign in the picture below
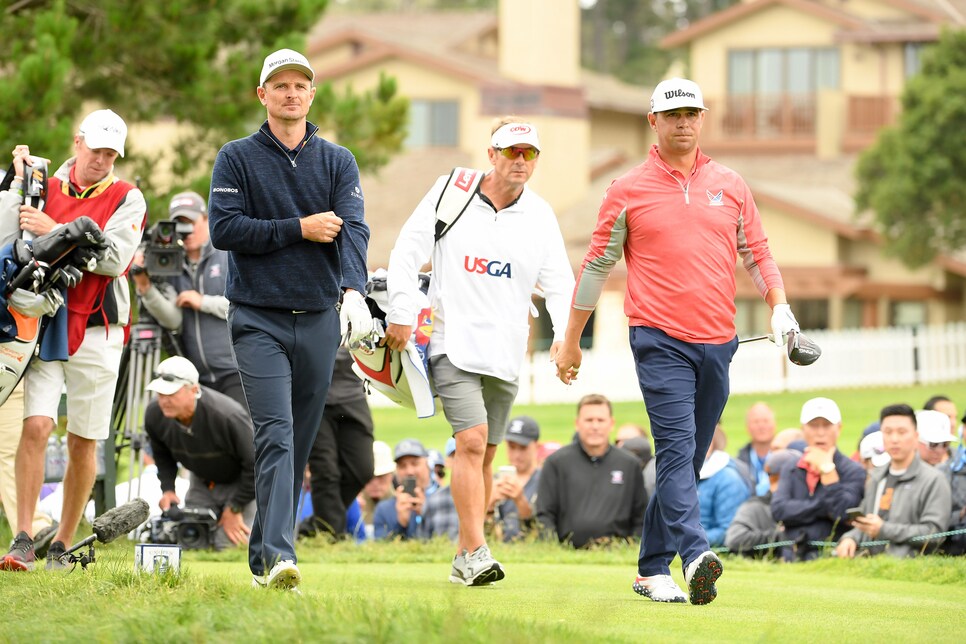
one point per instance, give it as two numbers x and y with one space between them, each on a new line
157 558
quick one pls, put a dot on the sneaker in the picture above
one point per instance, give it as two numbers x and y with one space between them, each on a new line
284 576
21 556
660 588
476 568
258 581
43 538
700 576
55 558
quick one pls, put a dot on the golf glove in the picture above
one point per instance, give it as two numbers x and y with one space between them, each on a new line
782 323
355 319
33 305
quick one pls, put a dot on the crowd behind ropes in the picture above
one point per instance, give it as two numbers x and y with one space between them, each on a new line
259 420
794 494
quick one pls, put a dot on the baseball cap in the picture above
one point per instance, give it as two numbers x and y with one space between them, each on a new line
639 447
515 134
778 460
104 129
173 374
285 59
674 93
187 205
933 427
821 408
435 458
872 447
523 430
382 459
409 447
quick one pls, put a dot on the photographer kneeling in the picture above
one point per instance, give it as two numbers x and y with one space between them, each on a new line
211 436
180 278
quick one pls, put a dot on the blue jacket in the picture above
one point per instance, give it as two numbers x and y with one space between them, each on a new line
259 192
718 499
819 516
386 523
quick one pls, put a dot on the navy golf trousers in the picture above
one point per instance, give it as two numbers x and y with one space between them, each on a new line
685 389
285 359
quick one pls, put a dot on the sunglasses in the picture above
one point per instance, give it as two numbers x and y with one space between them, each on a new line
169 377
512 152
938 445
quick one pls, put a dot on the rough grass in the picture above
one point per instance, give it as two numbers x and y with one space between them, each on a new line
391 592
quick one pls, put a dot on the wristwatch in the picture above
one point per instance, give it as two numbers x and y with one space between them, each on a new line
237 509
827 468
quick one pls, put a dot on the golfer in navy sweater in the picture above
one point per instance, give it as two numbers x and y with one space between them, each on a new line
287 206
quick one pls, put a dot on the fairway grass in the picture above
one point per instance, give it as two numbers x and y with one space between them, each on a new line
392 592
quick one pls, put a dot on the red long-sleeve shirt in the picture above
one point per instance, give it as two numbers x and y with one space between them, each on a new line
681 237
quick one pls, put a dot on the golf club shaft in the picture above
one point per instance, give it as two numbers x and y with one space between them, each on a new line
755 339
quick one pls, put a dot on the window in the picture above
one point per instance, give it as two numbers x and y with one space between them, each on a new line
811 314
782 71
912 58
907 313
433 124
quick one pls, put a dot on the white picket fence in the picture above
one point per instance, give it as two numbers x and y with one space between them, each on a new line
853 358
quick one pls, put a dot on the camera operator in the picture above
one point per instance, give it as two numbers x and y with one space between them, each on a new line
211 436
193 301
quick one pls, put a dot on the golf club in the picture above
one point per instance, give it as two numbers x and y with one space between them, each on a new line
801 349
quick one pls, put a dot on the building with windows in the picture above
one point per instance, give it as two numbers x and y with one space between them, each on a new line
795 89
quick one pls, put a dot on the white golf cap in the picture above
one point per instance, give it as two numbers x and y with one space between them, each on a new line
933 427
872 448
104 129
173 374
675 93
821 408
382 459
285 59
515 134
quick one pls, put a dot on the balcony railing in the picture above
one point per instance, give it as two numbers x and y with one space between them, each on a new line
785 116
790 122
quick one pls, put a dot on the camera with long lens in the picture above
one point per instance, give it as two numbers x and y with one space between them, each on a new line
164 249
190 528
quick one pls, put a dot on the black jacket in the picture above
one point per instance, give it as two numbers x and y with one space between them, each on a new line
581 498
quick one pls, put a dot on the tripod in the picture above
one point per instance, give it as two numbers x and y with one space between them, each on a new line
138 362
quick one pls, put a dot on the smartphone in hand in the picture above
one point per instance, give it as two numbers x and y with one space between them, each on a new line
409 485
854 513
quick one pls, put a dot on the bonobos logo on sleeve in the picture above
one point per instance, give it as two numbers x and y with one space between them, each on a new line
494 267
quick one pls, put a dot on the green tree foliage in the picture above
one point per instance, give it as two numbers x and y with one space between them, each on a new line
194 62
621 37
912 177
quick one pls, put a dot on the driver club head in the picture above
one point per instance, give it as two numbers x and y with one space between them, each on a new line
801 350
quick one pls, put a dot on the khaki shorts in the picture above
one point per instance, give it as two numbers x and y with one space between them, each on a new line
470 399
90 377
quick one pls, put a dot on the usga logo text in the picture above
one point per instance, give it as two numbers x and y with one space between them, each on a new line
494 268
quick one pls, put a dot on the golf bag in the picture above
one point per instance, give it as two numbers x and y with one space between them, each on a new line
51 262
401 376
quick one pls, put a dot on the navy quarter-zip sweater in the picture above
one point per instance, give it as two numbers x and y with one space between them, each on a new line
259 191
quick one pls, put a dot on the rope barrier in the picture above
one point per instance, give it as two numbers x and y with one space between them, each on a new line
864 544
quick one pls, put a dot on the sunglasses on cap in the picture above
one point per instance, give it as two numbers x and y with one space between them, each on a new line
170 377
512 152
